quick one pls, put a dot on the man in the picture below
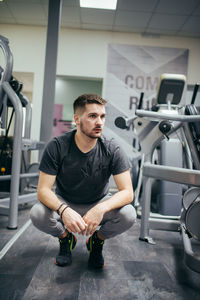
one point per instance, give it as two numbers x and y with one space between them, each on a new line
80 163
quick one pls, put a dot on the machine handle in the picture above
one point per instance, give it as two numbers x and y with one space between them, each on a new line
124 122
164 116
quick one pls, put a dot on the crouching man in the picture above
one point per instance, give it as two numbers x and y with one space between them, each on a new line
80 164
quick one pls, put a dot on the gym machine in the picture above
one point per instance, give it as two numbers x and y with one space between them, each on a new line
11 96
151 128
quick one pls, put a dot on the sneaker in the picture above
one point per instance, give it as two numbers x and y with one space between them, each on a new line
95 246
64 258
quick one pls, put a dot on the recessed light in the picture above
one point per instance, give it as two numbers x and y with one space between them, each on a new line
101 4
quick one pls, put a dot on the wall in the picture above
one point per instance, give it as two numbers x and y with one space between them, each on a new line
69 89
27 44
81 53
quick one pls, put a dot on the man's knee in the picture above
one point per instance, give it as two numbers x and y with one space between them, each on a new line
37 214
128 215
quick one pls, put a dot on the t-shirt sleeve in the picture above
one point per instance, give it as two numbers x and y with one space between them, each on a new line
119 162
51 158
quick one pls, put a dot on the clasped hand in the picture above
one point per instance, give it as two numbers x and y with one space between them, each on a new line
87 224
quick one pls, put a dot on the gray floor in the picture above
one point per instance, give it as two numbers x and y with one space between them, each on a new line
134 269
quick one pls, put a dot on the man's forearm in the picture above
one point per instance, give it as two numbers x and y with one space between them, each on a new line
118 200
49 198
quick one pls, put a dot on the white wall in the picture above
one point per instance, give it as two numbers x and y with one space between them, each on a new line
28 47
69 89
81 53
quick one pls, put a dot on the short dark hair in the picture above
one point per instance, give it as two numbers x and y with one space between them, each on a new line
84 99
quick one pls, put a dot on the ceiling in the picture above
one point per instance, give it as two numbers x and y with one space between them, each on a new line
148 17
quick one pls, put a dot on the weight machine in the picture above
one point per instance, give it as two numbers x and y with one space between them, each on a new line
11 96
151 128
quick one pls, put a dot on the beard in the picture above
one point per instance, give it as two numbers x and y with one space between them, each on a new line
91 134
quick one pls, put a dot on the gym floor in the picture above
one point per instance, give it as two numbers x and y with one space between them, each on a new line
134 269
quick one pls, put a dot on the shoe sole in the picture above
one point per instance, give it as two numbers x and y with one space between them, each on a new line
59 265
91 267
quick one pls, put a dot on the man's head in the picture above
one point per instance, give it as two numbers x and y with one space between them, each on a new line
89 115
81 101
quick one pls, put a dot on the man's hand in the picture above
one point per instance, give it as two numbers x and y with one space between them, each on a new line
73 221
93 218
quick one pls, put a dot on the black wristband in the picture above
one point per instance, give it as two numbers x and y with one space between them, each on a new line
63 211
60 208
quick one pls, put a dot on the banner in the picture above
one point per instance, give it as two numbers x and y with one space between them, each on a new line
132 70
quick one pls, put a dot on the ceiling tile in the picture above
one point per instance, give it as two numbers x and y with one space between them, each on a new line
27 11
171 16
171 22
44 2
196 12
70 14
137 5
21 1
4 11
73 3
180 7
192 24
97 16
126 18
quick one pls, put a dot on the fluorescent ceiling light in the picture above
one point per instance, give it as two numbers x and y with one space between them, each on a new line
102 4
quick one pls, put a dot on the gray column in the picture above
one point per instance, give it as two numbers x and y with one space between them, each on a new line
54 17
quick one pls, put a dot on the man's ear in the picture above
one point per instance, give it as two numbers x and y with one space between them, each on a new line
76 119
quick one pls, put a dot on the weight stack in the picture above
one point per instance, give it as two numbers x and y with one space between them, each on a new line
169 199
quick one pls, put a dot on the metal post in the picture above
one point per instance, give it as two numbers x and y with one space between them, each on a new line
146 203
16 156
54 16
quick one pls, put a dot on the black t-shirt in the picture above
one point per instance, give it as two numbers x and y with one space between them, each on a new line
82 177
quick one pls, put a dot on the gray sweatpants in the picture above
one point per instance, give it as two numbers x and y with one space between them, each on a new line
114 222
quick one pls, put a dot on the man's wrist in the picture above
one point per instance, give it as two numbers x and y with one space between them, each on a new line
63 211
59 208
103 207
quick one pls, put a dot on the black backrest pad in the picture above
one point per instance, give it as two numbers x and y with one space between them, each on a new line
191 109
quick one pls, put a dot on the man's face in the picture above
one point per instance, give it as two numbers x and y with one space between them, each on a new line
92 120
